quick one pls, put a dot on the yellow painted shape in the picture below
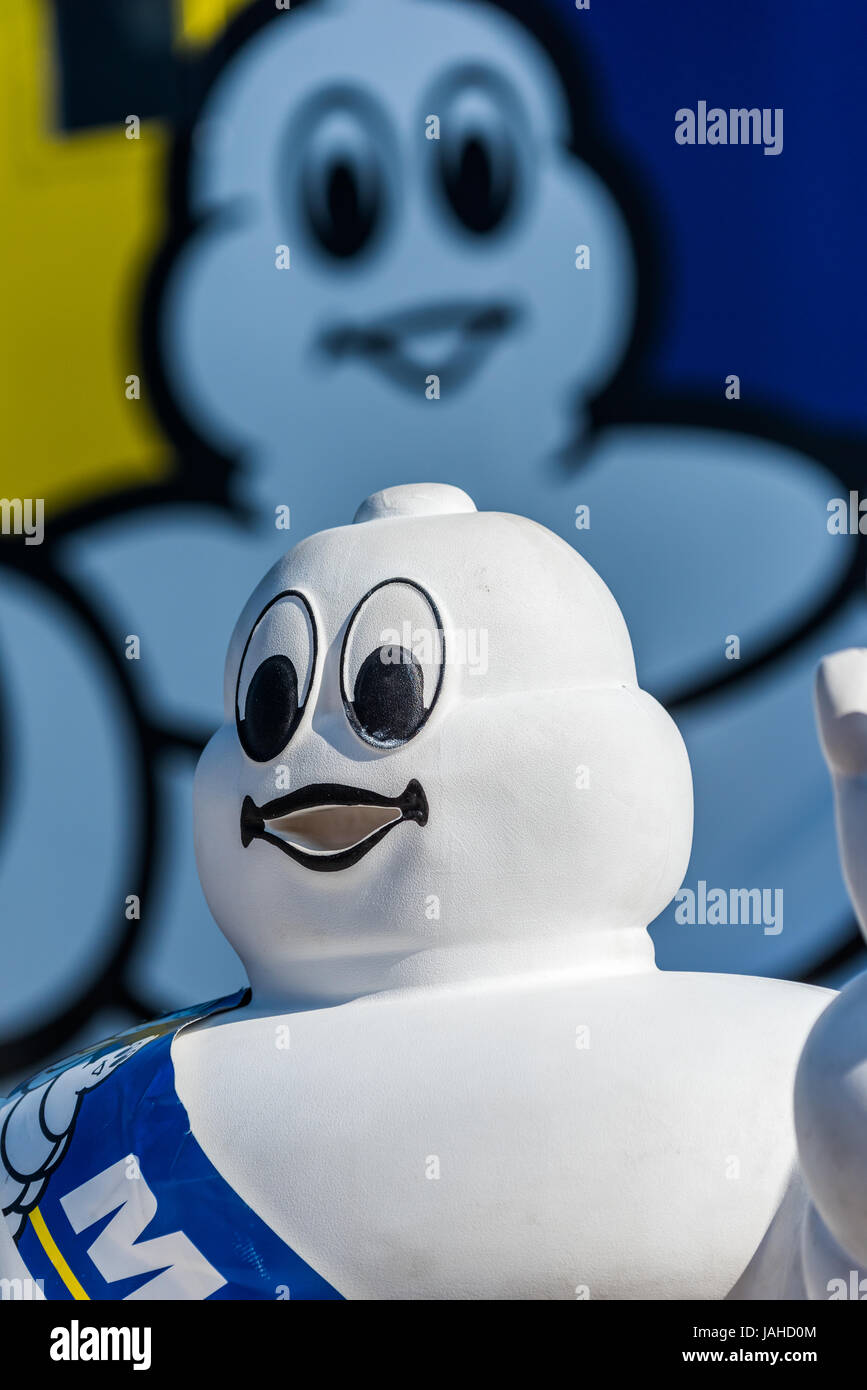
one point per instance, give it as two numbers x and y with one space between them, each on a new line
202 20
83 213
46 1240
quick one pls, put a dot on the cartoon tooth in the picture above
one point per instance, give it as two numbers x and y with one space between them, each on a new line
459 1073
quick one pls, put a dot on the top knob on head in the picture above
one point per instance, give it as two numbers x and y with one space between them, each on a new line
414 499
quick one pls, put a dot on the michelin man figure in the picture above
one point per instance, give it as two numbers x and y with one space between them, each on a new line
435 824
350 293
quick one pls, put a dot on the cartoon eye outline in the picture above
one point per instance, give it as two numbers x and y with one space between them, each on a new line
366 127
301 692
388 743
506 116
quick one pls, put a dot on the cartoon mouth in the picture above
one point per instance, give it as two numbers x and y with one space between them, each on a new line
327 826
452 341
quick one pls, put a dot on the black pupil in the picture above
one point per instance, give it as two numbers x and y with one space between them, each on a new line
344 216
479 193
388 702
271 709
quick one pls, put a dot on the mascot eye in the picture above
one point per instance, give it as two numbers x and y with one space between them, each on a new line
270 709
342 183
392 663
388 701
275 676
478 156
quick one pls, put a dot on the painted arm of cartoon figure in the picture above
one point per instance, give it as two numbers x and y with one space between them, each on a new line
35 1127
831 1084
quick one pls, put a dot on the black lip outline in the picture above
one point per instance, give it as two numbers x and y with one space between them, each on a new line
380 342
412 804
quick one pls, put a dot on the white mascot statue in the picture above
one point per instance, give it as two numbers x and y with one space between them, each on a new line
435 824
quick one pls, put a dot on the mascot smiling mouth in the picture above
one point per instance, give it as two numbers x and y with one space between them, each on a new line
327 826
469 332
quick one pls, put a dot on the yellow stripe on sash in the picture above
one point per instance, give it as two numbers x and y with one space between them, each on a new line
46 1240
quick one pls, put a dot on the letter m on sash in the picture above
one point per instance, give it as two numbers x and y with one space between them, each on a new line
181 1271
